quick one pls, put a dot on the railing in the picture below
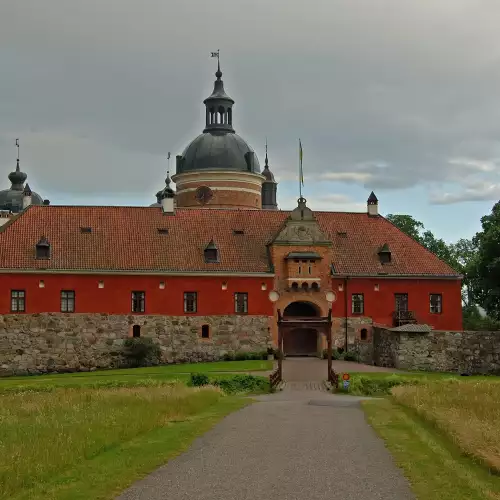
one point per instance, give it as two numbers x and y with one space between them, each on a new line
400 318
275 378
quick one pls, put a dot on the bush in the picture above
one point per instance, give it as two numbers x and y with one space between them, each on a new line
241 356
242 384
229 356
141 351
335 354
350 356
199 379
378 386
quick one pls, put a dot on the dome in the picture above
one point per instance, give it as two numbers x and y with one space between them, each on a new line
12 200
218 150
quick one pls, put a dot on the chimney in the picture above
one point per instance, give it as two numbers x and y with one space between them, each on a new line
372 206
26 196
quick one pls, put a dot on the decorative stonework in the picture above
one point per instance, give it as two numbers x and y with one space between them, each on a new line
39 343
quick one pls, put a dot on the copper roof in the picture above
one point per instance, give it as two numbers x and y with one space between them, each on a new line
128 239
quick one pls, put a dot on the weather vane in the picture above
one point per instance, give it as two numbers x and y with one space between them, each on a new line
17 146
216 54
168 162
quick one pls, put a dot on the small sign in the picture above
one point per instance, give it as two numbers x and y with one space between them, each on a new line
346 376
346 384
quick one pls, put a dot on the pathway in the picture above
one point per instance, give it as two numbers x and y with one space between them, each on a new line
301 443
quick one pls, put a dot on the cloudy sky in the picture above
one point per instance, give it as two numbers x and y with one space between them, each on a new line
399 97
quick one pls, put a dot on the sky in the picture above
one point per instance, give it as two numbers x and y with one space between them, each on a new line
398 97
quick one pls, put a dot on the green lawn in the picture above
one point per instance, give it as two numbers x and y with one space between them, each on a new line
436 468
71 444
132 376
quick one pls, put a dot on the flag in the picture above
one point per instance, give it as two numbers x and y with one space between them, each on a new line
301 172
215 54
168 156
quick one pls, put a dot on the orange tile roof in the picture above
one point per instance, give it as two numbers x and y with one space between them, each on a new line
127 239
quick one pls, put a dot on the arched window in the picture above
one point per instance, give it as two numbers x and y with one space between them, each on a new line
136 331
222 113
205 331
305 286
295 286
230 116
364 334
315 287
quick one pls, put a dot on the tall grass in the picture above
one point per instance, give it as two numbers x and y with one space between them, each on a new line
46 433
467 412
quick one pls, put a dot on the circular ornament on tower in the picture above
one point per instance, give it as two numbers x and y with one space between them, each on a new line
203 194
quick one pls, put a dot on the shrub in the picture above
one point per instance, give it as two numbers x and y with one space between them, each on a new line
141 351
350 356
199 379
242 384
241 356
335 354
378 386
229 356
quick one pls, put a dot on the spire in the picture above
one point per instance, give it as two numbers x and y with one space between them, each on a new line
219 112
269 187
265 164
17 177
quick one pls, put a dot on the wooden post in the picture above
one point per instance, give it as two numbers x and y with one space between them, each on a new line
329 342
280 346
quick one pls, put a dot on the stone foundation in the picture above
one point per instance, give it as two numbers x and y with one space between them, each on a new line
462 352
53 342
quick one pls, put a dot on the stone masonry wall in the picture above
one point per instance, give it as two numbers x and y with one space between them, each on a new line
54 342
462 352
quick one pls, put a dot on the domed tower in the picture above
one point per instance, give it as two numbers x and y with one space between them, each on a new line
218 169
12 199
269 188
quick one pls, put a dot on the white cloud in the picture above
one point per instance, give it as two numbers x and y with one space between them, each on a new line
476 191
357 177
475 165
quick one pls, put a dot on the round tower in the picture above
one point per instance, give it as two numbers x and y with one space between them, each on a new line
218 169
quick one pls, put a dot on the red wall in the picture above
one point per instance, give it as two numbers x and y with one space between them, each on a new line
115 297
380 305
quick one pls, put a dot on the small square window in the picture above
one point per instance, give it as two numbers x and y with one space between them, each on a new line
138 302
190 302
436 303
17 301
67 301
358 303
241 302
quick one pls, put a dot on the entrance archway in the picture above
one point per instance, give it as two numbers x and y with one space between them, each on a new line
301 309
302 339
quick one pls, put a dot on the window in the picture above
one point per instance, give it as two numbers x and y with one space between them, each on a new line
43 249
241 302
136 331
205 332
67 301
138 302
401 302
310 269
436 302
358 303
17 300
190 302
364 334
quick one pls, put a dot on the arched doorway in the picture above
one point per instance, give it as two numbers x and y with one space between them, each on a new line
302 340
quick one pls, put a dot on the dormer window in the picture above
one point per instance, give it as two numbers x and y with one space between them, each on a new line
211 253
384 254
43 248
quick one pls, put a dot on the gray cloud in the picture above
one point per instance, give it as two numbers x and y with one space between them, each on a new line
383 93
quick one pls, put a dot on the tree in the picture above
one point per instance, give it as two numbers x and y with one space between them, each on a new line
417 231
488 262
466 253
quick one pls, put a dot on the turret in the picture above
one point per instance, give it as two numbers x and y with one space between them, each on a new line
372 205
269 188
166 197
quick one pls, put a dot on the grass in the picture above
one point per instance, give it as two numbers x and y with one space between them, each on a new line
468 413
92 443
382 383
133 376
435 467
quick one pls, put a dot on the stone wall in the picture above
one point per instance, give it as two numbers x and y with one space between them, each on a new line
354 327
53 342
443 351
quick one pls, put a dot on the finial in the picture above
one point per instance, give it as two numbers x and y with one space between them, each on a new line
218 73
266 161
17 164
167 180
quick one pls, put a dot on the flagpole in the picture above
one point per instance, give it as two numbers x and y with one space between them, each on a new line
300 169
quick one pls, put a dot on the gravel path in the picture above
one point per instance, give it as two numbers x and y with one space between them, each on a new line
294 445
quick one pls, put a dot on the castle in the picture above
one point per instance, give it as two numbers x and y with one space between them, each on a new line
205 269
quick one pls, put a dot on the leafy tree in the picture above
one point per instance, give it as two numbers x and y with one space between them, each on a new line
407 224
488 262
466 254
